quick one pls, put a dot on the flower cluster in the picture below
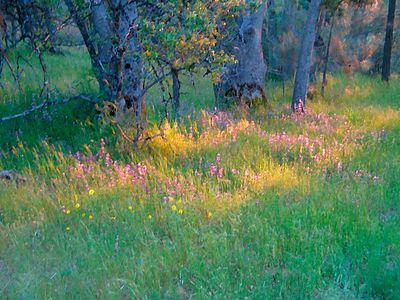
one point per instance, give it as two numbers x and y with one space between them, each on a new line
91 169
216 169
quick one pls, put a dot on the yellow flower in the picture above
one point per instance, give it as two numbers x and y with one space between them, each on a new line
150 217
83 215
67 212
180 211
91 217
76 198
113 218
130 207
209 215
68 228
91 192
77 205
173 207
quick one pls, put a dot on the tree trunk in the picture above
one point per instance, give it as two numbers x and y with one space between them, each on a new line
319 46
3 41
304 61
387 50
245 81
326 58
111 38
272 36
131 64
89 39
176 94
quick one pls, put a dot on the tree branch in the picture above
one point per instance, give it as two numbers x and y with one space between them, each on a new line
44 105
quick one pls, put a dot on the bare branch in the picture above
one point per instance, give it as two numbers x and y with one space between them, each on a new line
44 105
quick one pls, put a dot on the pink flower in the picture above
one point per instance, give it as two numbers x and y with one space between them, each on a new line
221 172
213 170
234 171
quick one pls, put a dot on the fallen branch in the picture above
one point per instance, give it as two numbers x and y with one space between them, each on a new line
43 106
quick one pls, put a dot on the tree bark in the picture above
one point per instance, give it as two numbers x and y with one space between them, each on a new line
304 61
176 94
272 36
319 46
131 63
245 81
111 38
326 58
387 50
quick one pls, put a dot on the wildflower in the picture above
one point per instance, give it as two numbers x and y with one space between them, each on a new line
150 217
83 215
209 215
113 218
213 170
77 205
68 228
221 172
358 173
130 207
180 211
67 212
91 217
91 192
173 207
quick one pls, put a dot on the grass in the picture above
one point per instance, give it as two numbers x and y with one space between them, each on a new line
232 205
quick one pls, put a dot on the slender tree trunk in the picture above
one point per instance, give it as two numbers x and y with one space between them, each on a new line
245 81
90 43
326 58
176 94
387 51
319 44
3 41
272 38
304 62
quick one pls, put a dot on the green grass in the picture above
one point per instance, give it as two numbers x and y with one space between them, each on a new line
312 213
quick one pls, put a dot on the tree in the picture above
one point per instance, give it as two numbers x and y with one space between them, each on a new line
244 81
304 62
327 53
185 42
109 30
387 50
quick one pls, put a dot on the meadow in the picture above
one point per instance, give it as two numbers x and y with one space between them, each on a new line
231 204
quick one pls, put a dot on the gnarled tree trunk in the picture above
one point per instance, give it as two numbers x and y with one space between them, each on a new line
304 61
111 38
245 81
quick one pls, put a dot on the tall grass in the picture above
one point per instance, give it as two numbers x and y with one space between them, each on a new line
232 205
